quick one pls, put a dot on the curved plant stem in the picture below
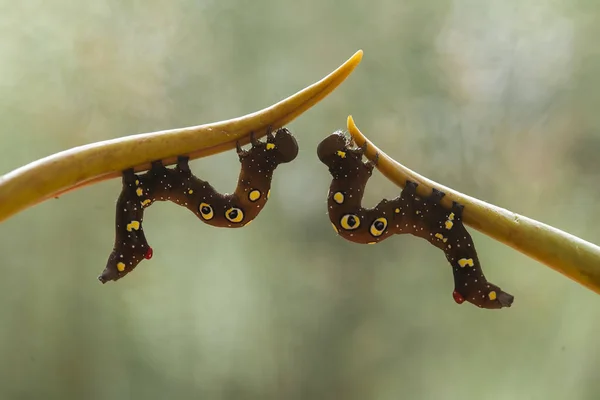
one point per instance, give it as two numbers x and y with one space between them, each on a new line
563 252
71 169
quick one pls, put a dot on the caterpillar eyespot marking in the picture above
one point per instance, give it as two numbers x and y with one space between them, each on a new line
181 187
350 222
408 213
206 211
378 227
234 215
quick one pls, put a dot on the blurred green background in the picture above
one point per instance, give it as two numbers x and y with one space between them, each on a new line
498 99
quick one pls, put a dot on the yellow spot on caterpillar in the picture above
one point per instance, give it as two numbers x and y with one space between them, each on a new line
190 191
492 295
417 212
133 225
270 146
121 266
145 202
451 217
139 192
249 222
372 243
341 154
137 182
449 224
441 237
334 228
268 194
254 195
463 262
338 197
397 211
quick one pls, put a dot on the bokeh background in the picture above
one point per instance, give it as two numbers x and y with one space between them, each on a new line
498 99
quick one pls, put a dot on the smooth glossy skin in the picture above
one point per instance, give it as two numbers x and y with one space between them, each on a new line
423 217
180 186
567 254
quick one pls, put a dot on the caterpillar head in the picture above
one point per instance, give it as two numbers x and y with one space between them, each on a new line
284 146
344 162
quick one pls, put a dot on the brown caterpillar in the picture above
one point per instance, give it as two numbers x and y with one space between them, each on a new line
423 217
180 186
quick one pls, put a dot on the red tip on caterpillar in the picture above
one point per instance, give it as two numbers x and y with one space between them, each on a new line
149 253
458 297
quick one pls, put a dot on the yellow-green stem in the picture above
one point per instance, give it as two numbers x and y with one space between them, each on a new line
92 163
561 251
